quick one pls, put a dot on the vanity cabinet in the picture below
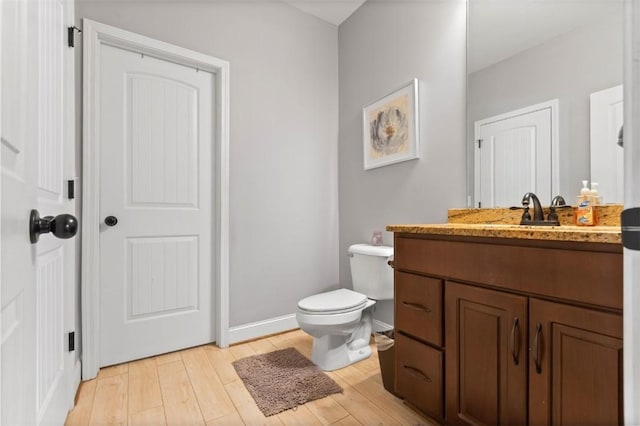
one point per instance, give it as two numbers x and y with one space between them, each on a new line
497 331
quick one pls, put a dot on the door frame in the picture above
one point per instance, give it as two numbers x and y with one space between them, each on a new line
1 329
96 34
554 106
631 293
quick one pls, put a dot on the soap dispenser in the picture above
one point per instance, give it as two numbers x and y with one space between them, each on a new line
584 192
594 196
584 213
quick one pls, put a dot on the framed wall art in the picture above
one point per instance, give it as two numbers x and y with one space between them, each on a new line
391 128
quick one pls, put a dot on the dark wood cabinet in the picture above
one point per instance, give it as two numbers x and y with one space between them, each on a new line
502 332
575 371
486 356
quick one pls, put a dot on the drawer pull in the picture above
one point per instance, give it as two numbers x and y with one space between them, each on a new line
417 373
416 306
536 349
515 347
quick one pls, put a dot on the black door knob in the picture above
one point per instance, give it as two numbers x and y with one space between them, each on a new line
111 221
62 226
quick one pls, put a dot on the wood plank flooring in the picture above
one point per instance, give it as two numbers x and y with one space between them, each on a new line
199 386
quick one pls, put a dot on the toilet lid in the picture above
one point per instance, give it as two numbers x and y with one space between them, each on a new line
341 300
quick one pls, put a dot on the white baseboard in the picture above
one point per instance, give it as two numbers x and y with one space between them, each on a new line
280 324
381 326
263 328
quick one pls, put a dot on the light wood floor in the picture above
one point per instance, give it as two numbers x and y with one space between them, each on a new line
200 386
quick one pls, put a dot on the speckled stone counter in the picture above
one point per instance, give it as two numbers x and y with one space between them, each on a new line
608 215
592 234
503 223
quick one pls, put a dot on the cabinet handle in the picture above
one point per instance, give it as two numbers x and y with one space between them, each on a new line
417 373
416 306
536 348
515 350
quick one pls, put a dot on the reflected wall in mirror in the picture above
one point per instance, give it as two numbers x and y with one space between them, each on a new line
532 68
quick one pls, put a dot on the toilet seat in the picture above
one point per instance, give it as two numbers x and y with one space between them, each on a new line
333 302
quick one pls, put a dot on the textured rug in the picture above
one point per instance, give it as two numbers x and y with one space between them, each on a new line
283 379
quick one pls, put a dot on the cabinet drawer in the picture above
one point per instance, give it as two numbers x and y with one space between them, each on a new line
419 375
418 302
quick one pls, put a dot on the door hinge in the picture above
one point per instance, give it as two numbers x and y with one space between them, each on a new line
479 143
630 224
71 35
71 189
72 341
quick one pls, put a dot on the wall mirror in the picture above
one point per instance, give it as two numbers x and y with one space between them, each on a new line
544 99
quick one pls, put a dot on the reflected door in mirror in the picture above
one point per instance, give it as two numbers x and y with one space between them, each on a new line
607 160
513 155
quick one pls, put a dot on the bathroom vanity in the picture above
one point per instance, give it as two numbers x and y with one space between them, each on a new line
505 324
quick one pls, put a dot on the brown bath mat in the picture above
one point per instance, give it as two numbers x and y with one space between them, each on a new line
283 379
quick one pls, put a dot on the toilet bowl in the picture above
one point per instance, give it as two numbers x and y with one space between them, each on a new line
341 321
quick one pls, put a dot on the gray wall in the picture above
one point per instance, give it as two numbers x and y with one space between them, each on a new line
284 139
569 68
383 45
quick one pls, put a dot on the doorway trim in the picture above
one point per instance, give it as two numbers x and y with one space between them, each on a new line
631 275
554 107
95 35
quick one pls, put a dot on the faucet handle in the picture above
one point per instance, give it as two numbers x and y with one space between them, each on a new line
525 211
558 201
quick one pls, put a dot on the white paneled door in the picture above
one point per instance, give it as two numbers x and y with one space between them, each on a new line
607 159
514 155
157 192
39 372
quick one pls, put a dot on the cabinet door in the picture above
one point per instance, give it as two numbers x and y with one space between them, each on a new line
575 369
486 357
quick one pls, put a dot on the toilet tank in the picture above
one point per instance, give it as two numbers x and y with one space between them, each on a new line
370 273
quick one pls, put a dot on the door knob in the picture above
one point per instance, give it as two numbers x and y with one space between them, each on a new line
62 226
111 221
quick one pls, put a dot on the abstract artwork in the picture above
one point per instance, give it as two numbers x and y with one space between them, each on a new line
390 127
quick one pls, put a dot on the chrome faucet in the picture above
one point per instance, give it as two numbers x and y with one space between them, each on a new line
538 215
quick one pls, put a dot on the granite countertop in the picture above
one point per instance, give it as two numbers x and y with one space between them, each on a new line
503 223
592 234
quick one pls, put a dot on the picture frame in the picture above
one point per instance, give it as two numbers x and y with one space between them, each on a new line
391 131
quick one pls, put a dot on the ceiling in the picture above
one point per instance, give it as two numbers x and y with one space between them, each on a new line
332 11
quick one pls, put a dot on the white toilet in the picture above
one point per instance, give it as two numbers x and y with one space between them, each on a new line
340 321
